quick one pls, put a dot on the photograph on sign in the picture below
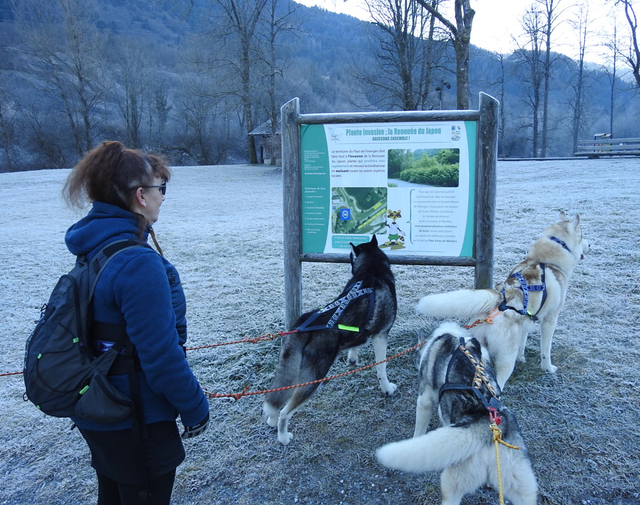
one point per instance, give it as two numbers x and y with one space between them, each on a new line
410 184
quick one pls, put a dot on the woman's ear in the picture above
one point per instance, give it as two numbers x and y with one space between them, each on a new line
139 198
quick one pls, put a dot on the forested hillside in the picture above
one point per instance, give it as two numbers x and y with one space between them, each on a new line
188 79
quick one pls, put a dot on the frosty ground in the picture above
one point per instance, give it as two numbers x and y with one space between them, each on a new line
222 228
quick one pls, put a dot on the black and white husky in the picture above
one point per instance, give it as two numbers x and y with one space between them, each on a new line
365 309
456 376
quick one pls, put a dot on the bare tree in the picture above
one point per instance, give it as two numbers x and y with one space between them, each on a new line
66 48
632 54
612 44
241 18
551 14
7 130
460 33
404 51
46 141
581 27
205 106
131 82
530 69
159 109
277 22
503 106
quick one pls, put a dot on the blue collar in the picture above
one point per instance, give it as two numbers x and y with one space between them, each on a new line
563 244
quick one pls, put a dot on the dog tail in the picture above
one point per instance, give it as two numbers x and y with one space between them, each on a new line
433 452
462 303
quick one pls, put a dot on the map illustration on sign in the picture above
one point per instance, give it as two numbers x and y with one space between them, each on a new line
358 210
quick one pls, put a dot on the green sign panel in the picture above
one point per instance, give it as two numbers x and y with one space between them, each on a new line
411 184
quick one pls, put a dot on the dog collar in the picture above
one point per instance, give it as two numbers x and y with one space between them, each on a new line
561 242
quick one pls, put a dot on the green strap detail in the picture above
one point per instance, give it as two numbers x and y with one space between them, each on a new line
348 328
84 390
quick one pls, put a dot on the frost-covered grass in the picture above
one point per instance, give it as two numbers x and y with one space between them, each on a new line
222 228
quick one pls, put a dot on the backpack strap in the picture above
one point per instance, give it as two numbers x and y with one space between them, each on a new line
102 258
127 360
114 336
107 336
138 428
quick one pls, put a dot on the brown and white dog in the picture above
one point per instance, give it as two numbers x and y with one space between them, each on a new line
535 290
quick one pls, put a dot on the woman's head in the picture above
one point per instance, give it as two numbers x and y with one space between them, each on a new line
112 174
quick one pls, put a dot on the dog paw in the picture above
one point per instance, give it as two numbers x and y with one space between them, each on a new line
522 359
389 388
272 421
549 368
285 438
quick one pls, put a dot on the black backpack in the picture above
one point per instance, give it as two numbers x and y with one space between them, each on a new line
62 375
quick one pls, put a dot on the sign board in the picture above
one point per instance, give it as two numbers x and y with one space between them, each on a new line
422 181
410 183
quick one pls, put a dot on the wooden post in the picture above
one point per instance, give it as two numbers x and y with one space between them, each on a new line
487 155
292 205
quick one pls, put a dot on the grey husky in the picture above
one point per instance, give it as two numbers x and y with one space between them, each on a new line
455 375
365 309
535 290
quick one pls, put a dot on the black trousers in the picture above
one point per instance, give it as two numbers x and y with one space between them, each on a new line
117 462
158 491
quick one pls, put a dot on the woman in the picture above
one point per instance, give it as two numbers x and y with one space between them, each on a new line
139 297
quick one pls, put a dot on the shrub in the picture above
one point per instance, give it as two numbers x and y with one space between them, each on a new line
443 176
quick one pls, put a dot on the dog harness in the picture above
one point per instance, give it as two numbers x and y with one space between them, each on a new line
561 242
525 288
479 379
338 307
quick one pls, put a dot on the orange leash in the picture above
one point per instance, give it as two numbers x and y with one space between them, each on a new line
489 320
245 392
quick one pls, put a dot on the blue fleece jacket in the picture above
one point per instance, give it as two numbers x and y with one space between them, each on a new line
141 290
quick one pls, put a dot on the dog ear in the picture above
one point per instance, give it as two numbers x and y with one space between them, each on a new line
563 216
473 344
374 240
576 221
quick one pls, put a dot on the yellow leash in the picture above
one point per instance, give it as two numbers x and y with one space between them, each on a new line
497 439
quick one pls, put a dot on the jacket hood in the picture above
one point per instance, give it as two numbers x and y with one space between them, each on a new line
103 224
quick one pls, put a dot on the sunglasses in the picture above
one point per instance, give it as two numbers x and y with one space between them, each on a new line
162 188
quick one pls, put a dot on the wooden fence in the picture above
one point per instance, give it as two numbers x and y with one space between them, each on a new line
608 147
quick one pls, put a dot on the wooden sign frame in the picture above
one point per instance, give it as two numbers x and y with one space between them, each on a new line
485 192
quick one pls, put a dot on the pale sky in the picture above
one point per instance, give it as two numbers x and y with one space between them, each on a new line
497 21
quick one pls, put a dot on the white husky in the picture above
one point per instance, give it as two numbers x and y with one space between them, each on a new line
534 291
